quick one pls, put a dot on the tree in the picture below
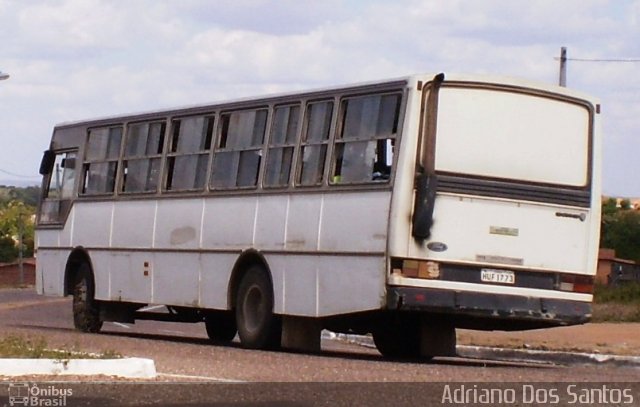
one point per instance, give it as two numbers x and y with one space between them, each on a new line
8 249
16 224
620 229
609 207
28 195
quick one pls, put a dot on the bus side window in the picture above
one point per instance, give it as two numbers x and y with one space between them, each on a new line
101 160
236 160
314 143
282 145
188 157
364 148
143 152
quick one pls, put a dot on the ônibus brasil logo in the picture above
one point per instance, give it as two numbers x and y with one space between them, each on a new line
25 394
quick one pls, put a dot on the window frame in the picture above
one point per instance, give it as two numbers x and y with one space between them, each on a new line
328 142
161 156
304 101
211 121
295 144
216 150
340 140
63 203
104 160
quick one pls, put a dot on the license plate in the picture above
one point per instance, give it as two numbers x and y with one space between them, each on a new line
497 276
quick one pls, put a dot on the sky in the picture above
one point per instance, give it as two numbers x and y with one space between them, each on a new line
78 59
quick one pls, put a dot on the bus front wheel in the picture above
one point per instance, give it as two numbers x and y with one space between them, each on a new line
86 314
258 326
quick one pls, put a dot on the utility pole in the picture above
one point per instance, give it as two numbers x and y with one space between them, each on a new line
21 247
563 67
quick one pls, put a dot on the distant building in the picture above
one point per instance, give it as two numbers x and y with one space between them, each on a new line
613 270
634 202
10 272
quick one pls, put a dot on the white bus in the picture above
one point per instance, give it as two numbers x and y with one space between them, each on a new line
402 208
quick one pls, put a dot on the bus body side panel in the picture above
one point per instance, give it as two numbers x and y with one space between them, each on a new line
401 209
50 272
54 248
318 246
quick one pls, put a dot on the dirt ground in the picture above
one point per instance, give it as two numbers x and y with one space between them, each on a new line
604 338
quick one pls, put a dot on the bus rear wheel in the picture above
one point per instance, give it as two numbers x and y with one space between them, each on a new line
258 326
398 338
86 313
220 326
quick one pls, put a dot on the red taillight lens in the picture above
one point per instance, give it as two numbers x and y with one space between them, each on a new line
576 283
417 269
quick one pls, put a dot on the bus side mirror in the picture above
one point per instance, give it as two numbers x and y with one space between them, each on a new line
69 162
423 207
46 165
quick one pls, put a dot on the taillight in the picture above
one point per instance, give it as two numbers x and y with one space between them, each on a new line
416 268
575 283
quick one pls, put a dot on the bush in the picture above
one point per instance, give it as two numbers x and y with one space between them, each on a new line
8 250
628 293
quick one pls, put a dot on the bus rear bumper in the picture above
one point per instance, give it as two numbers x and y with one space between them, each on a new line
489 311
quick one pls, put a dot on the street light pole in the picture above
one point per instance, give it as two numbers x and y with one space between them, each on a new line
562 81
21 247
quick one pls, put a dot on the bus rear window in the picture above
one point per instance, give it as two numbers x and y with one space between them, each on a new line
500 134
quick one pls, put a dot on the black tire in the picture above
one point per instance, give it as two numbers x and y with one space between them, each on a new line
258 327
398 338
86 311
220 326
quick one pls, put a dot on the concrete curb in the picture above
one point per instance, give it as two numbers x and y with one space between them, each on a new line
546 356
139 368
517 355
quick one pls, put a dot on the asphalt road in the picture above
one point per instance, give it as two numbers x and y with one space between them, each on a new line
182 353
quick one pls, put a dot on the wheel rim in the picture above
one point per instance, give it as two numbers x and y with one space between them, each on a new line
254 308
81 293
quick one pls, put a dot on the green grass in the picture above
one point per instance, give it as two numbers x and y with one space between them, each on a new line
623 294
616 304
16 346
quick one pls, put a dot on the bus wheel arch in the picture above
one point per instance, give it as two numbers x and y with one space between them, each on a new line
245 261
251 298
80 282
77 257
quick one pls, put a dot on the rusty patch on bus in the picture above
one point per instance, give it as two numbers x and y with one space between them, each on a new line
182 235
504 231
296 243
487 258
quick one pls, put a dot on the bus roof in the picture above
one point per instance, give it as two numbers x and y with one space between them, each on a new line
410 81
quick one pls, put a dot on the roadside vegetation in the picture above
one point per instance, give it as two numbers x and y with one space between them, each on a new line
620 228
16 346
17 214
617 304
